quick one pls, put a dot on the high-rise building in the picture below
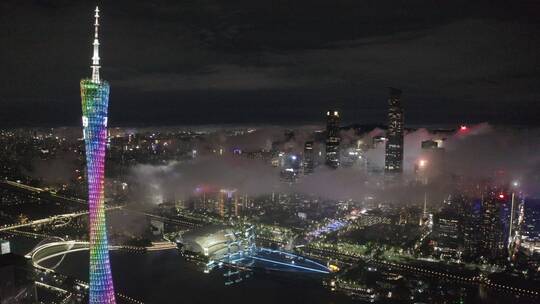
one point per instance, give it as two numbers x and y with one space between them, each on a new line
448 236
529 215
228 205
290 167
493 224
95 99
432 161
332 139
472 219
309 157
17 278
393 162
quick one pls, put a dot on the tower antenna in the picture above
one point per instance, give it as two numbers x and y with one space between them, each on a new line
95 57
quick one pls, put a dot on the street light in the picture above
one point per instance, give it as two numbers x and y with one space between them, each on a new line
420 169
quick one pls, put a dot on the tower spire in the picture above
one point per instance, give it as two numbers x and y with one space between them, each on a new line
95 57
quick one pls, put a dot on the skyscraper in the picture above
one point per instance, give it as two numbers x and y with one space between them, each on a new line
472 220
492 225
228 203
393 162
290 167
332 139
95 99
309 157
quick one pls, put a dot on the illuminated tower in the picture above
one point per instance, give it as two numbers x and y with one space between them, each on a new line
95 99
332 139
393 161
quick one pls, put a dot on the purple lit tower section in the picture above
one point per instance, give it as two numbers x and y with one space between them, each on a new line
95 100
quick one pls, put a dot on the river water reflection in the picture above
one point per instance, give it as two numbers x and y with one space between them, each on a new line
165 277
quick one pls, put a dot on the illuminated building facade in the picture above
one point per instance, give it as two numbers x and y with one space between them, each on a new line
448 234
290 167
472 218
95 99
393 162
309 157
332 139
228 203
495 213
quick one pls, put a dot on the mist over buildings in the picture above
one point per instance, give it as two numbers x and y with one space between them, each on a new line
479 152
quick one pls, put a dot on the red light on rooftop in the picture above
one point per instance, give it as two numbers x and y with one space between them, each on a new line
463 128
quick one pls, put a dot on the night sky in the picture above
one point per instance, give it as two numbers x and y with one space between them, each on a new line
180 62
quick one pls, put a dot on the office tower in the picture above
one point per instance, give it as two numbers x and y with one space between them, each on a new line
448 236
95 99
472 219
528 220
433 154
449 225
309 157
332 139
393 162
290 167
492 225
17 277
228 203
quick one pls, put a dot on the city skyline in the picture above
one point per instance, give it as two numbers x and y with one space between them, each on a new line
270 152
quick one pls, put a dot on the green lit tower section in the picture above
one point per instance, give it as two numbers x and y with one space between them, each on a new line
95 100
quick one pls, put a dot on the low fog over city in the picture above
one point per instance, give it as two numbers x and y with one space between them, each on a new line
269 151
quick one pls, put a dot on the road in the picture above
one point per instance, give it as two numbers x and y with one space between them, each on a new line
425 271
42 191
50 219
184 223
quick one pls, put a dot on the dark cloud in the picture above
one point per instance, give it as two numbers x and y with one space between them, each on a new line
212 61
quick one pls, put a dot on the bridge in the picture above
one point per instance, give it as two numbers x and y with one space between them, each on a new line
24 187
51 219
187 223
47 251
60 248
42 191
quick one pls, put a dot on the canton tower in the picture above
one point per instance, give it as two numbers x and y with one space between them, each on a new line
95 100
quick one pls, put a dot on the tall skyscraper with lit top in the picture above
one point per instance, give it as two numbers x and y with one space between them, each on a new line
332 139
393 162
95 100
